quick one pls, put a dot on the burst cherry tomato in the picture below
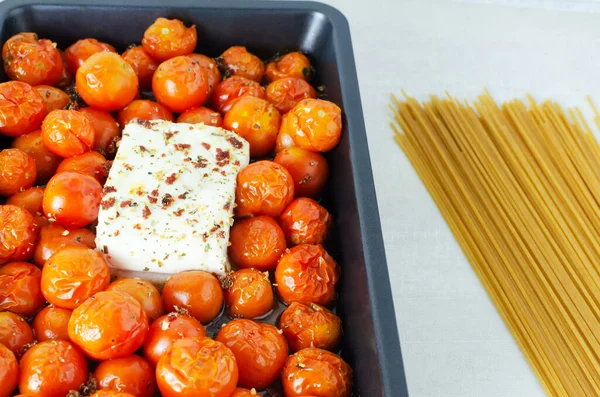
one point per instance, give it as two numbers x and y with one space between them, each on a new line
263 188
308 169
312 124
78 53
72 275
256 242
232 88
201 115
31 201
143 292
304 221
310 325
52 323
237 61
144 109
105 81
22 108
68 132
131 374
168 38
10 371
20 288
52 369
54 237
255 120
90 163
106 131
142 63
259 349
30 60
46 162
180 84
212 71
110 324
18 232
214 371
72 199
15 333
17 171
316 372
248 293
54 98
307 273
285 93
197 291
295 64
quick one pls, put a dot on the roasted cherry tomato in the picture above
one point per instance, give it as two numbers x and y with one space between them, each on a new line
30 60
142 63
52 323
212 71
53 97
78 53
66 77
54 237
167 329
240 392
106 131
312 124
168 38
20 288
256 242
308 169
18 232
304 221
237 61
180 84
90 163
197 291
110 324
111 393
248 293
255 120
201 115
22 108
195 367
52 368
143 109
259 349
143 292
30 200
68 132
72 275
310 325
295 64
130 374
72 199
15 333
263 188
233 88
285 93
105 81
17 171
307 273
316 372
9 375
46 162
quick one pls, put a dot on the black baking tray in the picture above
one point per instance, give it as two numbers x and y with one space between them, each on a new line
370 344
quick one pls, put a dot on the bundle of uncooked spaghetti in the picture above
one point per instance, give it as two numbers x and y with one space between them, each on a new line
518 184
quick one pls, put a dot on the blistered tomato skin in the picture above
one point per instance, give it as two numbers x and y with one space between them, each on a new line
310 325
248 293
142 63
10 372
79 52
168 38
257 242
90 163
18 232
22 108
212 71
15 333
31 201
68 133
180 84
53 97
286 92
131 374
106 131
197 291
232 88
304 221
295 64
144 110
17 171
30 60
144 292
20 288
237 61
110 324
46 162
52 323
54 237
308 169
202 115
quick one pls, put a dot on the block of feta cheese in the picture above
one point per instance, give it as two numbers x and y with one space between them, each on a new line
168 201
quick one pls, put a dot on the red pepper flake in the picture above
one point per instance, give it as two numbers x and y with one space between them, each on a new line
163 155
125 203
179 212
154 192
139 192
236 163
183 196
169 135
109 189
204 236
187 159
222 154
106 204
214 228
128 167
221 234
118 215
152 199
223 173
146 212
166 201
171 178
200 162
142 148
182 146
117 232
144 123
227 206
206 145
215 169
205 175
137 226
235 143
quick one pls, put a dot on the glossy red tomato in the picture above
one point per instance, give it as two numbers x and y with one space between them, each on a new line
259 349
46 162
52 323
310 325
144 109
168 38
106 131
72 275
106 82
143 292
15 333
312 124
255 120
30 60
72 199
78 53
237 61
54 98
233 88
212 71
18 232
248 293
308 169
180 84
130 374
31 201
54 237
142 63
197 367
263 188
52 369
316 372
304 221
9 375
197 291
286 92
201 115
22 108
110 324
295 64
256 242
90 163
307 273
67 133
17 171
20 288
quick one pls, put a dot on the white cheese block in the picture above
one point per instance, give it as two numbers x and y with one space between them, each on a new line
168 201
